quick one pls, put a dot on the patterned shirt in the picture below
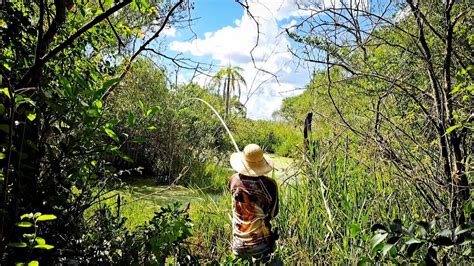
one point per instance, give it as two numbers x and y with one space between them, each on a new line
254 203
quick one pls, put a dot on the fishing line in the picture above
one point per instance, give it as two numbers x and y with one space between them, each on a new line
220 118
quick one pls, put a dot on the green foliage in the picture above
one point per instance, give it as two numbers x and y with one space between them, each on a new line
31 241
279 138
161 238
422 242
185 134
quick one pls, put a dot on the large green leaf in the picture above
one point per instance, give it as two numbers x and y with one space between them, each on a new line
111 134
47 217
24 224
45 246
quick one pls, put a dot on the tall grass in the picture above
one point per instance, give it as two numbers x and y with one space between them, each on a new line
326 212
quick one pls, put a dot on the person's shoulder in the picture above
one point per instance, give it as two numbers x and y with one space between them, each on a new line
233 179
269 180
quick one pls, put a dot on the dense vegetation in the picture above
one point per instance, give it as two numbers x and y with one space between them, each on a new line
93 130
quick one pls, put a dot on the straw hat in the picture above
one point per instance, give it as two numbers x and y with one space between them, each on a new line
251 162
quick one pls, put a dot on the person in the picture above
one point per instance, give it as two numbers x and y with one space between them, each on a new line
254 204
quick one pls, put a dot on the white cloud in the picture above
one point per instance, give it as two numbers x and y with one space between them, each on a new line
169 31
233 45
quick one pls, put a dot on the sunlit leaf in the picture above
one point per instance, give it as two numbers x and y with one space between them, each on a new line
2 155
31 116
452 128
153 110
6 92
7 66
24 224
33 263
26 215
40 241
47 217
98 104
111 134
45 246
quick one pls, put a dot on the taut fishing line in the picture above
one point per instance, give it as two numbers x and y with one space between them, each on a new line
220 118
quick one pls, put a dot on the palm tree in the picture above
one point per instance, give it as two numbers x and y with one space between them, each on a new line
230 79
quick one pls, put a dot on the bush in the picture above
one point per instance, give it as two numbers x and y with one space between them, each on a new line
108 241
274 137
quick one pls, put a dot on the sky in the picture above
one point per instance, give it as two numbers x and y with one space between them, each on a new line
223 34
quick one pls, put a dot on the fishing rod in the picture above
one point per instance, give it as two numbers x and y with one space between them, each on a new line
218 116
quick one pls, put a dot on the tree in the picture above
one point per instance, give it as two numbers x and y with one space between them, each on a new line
400 59
59 63
230 79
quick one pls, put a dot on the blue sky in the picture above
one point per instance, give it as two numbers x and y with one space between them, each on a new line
226 34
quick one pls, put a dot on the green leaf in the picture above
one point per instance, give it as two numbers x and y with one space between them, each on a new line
138 140
109 83
152 128
153 110
140 103
45 246
40 241
456 89
376 239
98 104
2 155
131 119
145 4
29 236
2 109
26 215
108 3
124 156
33 263
364 261
47 217
17 245
452 128
31 116
24 224
7 66
93 112
355 229
111 134
6 92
